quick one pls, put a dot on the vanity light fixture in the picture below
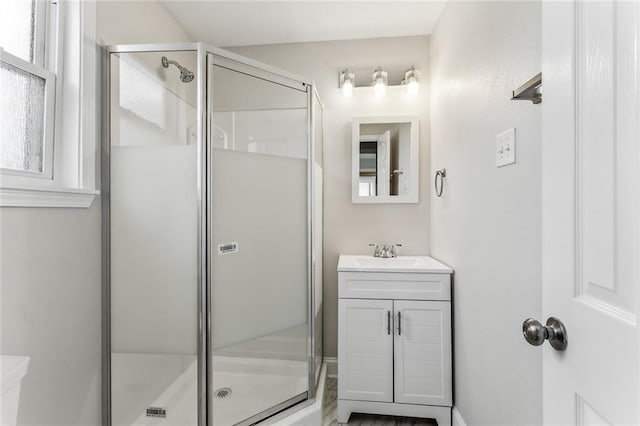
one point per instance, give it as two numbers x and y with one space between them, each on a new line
411 81
379 82
347 81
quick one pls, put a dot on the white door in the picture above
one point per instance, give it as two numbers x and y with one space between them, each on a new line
365 350
591 215
422 352
384 164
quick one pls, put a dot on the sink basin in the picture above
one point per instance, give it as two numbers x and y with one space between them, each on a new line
377 262
368 263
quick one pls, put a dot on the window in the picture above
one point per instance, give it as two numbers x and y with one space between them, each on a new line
27 103
22 29
47 140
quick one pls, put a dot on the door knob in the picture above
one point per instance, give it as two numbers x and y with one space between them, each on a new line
535 333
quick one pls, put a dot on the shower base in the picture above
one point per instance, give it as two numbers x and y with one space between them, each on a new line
167 384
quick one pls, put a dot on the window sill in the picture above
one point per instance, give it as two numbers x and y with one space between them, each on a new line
47 197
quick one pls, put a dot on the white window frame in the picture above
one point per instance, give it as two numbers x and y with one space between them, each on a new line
70 158
43 26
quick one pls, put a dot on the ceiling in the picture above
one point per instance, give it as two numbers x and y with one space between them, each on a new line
243 23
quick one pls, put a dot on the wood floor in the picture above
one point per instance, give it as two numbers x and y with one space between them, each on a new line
330 406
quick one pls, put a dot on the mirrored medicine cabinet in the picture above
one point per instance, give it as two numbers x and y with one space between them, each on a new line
385 159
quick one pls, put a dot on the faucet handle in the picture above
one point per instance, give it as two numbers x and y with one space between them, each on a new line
394 253
376 250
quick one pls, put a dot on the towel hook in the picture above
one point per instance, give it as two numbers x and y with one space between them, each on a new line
439 188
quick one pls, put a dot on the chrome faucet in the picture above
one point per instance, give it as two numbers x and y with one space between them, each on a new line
388 250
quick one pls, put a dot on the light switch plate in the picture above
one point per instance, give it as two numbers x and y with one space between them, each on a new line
506 148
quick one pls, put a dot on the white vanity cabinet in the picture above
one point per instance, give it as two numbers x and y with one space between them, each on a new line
394 337
365 365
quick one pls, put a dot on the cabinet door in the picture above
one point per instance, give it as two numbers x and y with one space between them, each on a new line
422 358
365 350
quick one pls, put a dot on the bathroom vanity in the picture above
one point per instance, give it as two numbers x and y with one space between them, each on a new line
394 337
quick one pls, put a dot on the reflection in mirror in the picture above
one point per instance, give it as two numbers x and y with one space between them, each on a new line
369 169
385 160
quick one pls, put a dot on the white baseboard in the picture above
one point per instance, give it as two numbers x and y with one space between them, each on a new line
332 366
456 418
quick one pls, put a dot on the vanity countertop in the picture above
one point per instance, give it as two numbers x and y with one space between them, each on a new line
368 263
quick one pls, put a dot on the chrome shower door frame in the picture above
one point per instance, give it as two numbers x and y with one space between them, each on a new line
105 105
313 119
204 174
234 62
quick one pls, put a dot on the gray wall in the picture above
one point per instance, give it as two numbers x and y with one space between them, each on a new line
349 227
50 310
133 22
487 225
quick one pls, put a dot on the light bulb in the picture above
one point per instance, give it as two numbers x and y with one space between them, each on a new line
411 81
347 89
347 78
379 88
413 87
379 82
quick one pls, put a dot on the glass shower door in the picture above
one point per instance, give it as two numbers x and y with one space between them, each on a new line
259 241
153 240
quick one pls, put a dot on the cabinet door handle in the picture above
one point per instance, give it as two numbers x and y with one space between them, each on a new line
388 322
399 324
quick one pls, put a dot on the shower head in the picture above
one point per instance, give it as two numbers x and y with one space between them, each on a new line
186 76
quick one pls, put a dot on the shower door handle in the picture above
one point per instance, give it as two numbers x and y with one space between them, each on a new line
389 322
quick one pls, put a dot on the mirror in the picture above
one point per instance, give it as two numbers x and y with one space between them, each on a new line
385 160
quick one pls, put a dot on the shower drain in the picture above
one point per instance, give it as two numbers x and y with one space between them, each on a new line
223 392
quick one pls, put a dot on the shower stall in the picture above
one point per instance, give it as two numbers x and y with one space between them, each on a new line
212 208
